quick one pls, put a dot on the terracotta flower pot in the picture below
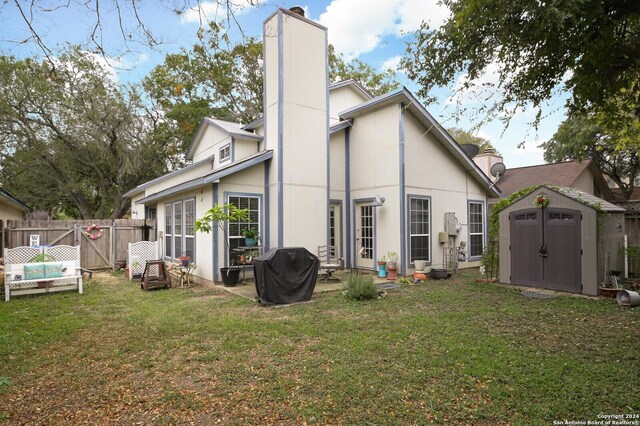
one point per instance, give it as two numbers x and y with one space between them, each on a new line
392 272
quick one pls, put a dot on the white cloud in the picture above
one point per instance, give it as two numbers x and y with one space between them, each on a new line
484 135
392 64
113 66
358 26
413 12
214 10
529 155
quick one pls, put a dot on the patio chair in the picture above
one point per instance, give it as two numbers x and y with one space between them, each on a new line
330 262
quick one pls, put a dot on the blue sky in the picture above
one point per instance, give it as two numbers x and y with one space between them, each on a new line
374 31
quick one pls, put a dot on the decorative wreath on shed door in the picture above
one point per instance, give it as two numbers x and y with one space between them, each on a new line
541 200
89 231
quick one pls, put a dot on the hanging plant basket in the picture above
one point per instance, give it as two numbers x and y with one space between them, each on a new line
541 200
89 231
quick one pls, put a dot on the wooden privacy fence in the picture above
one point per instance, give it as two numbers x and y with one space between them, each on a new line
101 248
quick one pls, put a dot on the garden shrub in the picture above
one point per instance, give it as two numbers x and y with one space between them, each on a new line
360 287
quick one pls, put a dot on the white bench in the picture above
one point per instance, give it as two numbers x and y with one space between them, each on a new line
30 270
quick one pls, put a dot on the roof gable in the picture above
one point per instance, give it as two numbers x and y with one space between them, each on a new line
353 85
411 104
234 130
581 197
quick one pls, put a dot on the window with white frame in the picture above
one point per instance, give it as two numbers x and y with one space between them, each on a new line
476 229
236 229
419 229
225 153
179 233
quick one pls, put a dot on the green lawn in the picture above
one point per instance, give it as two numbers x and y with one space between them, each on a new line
443 352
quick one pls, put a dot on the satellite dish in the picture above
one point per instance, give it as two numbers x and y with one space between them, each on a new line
470 149
498 170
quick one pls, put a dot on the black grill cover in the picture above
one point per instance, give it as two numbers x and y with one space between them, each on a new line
285 275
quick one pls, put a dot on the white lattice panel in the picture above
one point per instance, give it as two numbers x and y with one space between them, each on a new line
22 255
140 253
23 285
59 282
63 253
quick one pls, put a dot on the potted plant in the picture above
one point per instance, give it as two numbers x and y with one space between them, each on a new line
184 260
382 267
392 265
251 237
251 254
220 216
611 286
420 265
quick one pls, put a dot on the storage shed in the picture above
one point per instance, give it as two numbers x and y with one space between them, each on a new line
560 238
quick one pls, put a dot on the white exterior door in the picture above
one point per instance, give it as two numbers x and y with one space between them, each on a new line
365 236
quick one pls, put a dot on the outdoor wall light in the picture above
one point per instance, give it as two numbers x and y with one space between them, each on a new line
378 202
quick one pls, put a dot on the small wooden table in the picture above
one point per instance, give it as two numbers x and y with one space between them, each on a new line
186 274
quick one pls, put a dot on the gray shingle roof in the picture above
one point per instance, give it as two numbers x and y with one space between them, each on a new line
586 198
561 174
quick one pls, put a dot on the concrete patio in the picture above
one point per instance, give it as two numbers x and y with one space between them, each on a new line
248 290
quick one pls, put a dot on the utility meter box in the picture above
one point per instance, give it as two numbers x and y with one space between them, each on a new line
443 237
450 223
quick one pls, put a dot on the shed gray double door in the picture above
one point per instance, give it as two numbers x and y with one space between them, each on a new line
545 249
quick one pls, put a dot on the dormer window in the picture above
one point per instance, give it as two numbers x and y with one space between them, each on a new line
225 153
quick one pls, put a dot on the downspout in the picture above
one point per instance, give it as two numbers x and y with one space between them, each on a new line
347 180
215 237
403 224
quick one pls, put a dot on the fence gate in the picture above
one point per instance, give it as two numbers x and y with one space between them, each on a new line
545 249
97 253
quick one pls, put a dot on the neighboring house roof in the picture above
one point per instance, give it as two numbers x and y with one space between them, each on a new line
235 130
354 84
579 196
402 95
617 193
209 177
142 187
561 174
6 196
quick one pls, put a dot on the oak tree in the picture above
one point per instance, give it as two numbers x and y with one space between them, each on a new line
72 139
588 48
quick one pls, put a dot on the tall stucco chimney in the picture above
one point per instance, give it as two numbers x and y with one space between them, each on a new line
488 158
296 129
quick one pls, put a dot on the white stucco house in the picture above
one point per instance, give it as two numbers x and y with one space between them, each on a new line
314 168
